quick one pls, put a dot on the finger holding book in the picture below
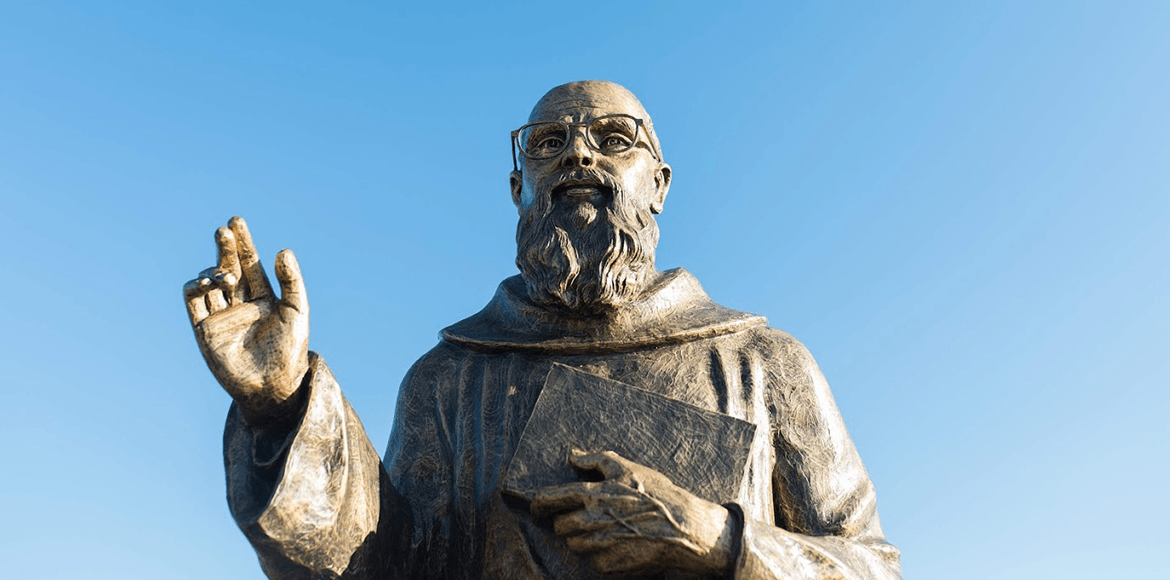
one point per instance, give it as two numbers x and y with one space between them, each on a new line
635 519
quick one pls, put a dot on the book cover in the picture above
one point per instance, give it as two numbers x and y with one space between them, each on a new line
702 451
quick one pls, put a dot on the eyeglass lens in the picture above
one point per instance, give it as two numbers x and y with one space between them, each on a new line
609 134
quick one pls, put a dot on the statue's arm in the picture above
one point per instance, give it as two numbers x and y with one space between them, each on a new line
304 483
826 512
310 493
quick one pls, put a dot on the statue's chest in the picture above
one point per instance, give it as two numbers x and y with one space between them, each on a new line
498 400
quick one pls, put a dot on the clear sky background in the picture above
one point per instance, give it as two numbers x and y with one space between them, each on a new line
961 208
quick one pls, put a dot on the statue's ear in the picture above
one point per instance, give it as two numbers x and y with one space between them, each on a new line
516 181
662 183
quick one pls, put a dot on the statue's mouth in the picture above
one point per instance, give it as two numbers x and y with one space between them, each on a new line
583 191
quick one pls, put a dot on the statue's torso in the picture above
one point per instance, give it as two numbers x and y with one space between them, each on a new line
478 404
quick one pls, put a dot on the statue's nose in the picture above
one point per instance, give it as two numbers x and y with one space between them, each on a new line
578 153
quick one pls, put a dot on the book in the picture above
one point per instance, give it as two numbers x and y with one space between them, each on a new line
702 451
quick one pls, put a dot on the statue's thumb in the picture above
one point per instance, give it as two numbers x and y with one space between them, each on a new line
292 287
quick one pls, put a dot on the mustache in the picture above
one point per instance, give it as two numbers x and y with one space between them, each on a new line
581 176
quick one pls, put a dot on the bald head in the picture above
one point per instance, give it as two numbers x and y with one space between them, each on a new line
591 99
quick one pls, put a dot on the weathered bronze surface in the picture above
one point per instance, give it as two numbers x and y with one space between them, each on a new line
462 490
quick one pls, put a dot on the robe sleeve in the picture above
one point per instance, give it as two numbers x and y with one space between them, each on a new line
311 496
827 523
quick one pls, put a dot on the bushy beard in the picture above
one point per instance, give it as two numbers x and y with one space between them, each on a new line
575 255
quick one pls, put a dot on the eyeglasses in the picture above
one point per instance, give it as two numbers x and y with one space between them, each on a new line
608 134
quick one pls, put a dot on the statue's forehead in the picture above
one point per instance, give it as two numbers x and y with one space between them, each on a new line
581 100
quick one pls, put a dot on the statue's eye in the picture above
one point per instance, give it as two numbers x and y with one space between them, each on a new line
615 142
544 139
550 144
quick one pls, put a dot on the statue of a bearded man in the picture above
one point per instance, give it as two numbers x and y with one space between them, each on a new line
312 495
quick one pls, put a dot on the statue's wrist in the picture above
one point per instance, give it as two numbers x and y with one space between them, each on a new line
716 560
270 413
721 554
730 541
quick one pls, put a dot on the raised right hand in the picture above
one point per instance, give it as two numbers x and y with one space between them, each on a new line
256 345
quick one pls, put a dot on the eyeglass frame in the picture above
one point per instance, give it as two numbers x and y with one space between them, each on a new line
640 128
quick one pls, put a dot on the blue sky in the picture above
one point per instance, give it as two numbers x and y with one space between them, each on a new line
961 208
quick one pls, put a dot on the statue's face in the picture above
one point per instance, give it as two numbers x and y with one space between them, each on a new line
587 234
644 177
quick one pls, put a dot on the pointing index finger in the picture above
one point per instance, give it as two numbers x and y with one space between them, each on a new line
229 272
253 271
229 258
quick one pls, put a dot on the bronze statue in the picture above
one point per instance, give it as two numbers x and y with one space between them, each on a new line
679 383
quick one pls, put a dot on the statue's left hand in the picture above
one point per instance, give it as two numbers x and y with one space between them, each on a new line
636 521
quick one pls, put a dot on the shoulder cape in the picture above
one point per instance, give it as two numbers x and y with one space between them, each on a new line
674 309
